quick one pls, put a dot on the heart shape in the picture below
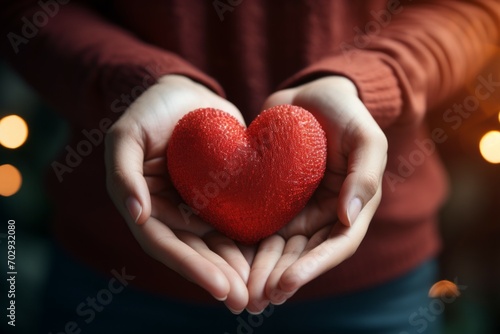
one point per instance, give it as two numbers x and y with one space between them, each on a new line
247 183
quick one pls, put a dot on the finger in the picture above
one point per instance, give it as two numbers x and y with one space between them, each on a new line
268 254
178 216
228 107
367 157
318 238
164 246
248 252
124 173
316 215
167 205
354 140
237 298
229 251
281 97
340 244
293 249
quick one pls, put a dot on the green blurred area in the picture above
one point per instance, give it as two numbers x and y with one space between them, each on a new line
29 207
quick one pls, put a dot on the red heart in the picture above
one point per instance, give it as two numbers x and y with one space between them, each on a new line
247 183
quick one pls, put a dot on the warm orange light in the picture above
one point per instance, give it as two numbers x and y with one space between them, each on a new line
499 116
13 131
10 180
490 147
444 288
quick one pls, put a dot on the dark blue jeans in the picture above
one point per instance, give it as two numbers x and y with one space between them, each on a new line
80 301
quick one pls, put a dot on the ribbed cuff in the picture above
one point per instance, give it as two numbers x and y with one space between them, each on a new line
376 82
146 72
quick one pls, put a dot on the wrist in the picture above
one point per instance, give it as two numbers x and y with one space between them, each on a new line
175 79
339 84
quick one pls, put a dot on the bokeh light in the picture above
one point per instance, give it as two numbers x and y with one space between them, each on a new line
499 116
444 288
13 131
490 147
10 180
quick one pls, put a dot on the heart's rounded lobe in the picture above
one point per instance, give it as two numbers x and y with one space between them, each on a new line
247 183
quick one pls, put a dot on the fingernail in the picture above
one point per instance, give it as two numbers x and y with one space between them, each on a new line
261 306
280 302
354 209
134 208
235 312
278 298
221 299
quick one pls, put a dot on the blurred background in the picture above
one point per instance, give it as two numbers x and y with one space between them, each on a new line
31 135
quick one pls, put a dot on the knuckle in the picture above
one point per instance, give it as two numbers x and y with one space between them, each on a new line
377 136
146 249
382 140
351 251
113 178
370 183
110 185
350 248
111 135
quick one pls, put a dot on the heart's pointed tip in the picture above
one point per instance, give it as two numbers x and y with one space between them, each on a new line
243 233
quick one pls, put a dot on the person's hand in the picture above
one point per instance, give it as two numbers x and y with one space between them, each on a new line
334 222
139 185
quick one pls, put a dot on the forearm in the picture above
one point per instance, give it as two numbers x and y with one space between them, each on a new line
81 64
425 52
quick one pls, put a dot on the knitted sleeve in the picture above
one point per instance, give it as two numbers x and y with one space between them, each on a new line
413 56
86 67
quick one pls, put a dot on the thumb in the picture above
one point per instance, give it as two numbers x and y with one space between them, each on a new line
285 96
124 156
366 165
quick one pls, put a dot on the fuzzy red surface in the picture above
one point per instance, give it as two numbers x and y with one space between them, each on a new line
247 183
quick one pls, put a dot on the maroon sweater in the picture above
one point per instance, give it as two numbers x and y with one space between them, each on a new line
91 59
